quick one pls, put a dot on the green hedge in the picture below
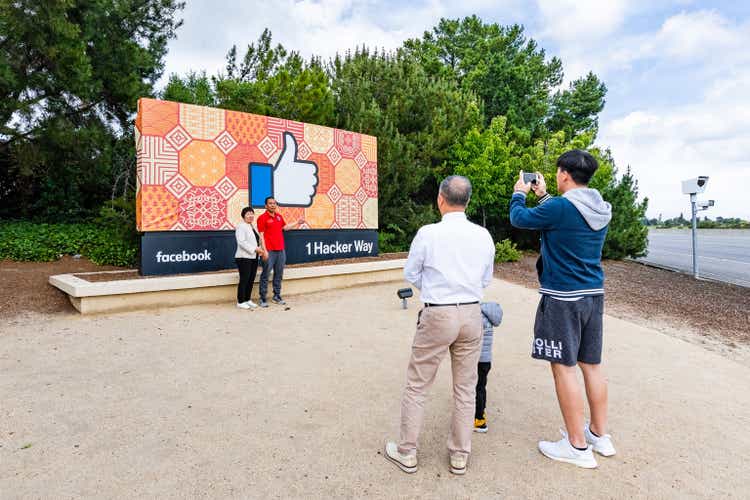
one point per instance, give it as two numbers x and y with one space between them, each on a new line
103 244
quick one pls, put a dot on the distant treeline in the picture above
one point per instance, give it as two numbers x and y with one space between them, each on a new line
704 223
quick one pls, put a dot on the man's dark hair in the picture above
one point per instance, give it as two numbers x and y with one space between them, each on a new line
579 164
456 190
246 210
268 198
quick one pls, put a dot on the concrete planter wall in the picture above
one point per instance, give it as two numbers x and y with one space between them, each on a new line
128 295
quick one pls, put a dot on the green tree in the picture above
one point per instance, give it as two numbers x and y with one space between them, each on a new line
627 235
491 159
70 75
576 109
296 90
506 70
416 118
194 88
268 80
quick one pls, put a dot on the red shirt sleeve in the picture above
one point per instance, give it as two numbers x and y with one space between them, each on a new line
262 223
283 222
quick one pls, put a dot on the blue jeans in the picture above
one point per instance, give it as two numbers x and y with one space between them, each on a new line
275 262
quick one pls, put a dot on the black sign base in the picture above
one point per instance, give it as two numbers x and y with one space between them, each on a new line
179 252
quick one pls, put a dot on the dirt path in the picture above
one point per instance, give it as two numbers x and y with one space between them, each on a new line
216 402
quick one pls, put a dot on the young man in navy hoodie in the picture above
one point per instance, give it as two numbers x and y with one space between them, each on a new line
568 326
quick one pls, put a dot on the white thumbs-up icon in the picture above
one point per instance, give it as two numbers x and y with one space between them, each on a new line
294 180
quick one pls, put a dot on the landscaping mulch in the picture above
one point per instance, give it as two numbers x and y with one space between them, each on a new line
24 287
643 293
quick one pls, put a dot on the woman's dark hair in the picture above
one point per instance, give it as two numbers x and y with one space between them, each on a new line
579 164
246 210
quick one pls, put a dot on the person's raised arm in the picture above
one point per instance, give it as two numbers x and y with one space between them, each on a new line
294 225
544 216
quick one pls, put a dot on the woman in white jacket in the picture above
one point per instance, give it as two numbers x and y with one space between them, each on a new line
246 257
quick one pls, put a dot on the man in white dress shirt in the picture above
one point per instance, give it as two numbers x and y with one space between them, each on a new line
450 262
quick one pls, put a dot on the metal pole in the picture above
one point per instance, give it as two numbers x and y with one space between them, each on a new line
695 235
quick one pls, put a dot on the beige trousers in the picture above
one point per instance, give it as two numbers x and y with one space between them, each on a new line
454 329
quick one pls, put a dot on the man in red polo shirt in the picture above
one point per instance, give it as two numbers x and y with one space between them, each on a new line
271 226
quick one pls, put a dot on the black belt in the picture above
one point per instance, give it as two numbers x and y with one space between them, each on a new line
427 304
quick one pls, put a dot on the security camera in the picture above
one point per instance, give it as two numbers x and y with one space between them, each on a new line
695 185
704 205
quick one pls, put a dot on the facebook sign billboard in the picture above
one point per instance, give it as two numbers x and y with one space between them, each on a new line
198 167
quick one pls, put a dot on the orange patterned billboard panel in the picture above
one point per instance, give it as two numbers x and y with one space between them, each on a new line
199 166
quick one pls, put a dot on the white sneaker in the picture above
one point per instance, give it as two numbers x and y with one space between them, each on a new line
407 463
601 444
563 451
458 464
243 305
251 304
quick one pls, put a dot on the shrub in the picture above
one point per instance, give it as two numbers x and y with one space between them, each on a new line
103 244
506 251
390 239
118 245
108 247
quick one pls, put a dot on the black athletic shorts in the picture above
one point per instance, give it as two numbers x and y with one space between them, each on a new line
569 331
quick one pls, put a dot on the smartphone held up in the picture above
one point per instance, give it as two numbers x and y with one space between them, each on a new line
529 177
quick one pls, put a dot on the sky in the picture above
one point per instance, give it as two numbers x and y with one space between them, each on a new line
677 71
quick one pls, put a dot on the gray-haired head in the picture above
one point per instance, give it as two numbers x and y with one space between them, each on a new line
456 190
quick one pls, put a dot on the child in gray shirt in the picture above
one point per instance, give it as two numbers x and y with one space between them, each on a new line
492 316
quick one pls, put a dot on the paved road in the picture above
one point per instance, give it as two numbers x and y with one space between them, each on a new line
723 254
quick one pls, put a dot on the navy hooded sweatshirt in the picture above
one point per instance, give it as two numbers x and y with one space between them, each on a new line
573 228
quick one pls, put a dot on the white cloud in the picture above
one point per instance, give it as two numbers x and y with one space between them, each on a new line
709 137
312 27
580 21
683 103
331 26
687 38
695 35
702 39
588 34
702 55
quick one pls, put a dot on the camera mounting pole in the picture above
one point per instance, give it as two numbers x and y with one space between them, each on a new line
403 294
694 210
693 187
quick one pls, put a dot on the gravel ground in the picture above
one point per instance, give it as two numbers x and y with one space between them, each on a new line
210 401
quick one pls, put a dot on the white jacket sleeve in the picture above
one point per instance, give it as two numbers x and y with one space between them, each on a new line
246 239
